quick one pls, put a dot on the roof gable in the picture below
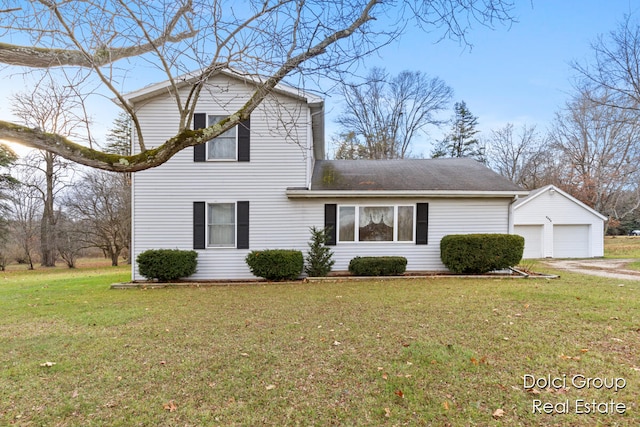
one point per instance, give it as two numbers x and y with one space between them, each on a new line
187 79
534 194
315 103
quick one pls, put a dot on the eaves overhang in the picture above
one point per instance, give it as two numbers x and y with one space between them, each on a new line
302 193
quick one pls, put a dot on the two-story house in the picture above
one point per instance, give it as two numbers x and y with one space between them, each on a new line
263 184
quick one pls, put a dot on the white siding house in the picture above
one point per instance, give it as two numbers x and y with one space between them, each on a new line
556 225
265 183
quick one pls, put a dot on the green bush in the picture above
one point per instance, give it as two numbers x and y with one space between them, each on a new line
276 264
378 266
318 258
480 253
167 264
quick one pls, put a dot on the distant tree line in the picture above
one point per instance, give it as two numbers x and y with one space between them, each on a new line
52 210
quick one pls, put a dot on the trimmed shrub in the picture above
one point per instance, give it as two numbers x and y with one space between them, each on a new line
167 264
378 266
276 264
480 253
318 258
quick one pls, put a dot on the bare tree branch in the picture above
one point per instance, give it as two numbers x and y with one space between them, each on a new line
268 40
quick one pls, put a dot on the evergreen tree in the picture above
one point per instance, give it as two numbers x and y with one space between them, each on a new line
318 258
119 136
7 158
461 141
119 142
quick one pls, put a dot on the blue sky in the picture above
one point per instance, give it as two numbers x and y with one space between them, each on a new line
513 75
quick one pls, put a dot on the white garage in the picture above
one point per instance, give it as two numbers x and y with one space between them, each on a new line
556 225
533 237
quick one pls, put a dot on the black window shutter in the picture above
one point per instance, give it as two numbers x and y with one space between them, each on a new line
330 223
200 150
244 140
242 227
199 225
422 223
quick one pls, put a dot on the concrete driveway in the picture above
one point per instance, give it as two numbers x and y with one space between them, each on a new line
612 268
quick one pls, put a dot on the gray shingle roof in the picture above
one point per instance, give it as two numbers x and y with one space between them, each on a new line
457 174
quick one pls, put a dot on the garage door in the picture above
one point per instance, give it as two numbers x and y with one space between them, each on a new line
571 241
532 240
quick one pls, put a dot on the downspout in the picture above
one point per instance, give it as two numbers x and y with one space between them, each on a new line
310 157
132 243
311 147
510 222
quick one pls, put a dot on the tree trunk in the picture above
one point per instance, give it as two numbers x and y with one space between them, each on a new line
114 254
48 223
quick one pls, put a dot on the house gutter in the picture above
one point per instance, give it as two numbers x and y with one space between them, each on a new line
510 221
303 193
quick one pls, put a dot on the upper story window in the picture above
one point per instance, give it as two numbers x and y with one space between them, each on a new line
233 145
224 146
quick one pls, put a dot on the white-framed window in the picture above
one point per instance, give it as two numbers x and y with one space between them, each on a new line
224 146
221 225
372 223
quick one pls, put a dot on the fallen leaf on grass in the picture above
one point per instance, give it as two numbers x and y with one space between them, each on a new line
565 357
387 412
170 406
445 405
48 364
385 376
399 393
498 413
270 387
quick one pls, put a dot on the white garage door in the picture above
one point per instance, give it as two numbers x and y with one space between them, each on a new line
533 235
571 241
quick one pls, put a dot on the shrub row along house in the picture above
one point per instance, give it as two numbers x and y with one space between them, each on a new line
263 184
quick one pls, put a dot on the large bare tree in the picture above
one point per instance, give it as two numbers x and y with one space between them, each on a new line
383 115
599 153
52 108
100 204
26 207
269 40
522 155
614 67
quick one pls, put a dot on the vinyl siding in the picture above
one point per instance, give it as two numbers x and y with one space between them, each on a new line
280 158
549 210
446 216
164 196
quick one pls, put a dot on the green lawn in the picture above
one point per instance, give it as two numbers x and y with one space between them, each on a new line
411 352
622 247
